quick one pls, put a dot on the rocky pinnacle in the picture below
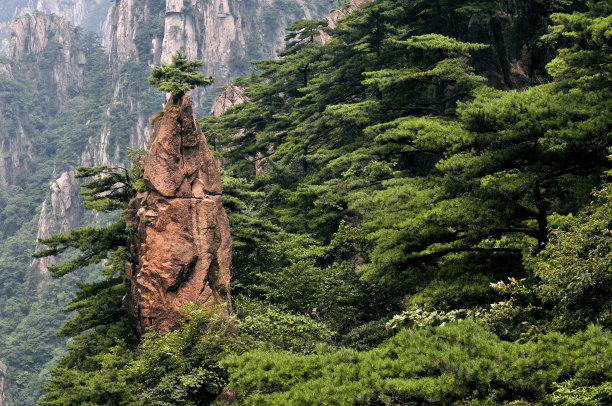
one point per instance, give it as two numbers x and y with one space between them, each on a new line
180 244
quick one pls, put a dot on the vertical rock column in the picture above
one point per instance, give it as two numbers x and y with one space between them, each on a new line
181 246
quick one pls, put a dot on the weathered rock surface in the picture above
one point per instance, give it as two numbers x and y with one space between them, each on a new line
59 213
87 13
181 246
33 35
508 62
231 97
15 151
6 71
334 16
227 34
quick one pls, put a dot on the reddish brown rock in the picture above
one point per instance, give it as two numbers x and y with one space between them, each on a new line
181 246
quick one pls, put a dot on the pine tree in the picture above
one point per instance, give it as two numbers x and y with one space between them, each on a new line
179 77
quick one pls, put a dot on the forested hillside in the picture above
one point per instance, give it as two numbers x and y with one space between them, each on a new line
420 210
35 101
70 100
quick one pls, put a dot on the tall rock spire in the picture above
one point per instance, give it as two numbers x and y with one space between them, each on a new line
181 246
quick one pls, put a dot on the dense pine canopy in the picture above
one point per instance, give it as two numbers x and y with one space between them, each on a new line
411 236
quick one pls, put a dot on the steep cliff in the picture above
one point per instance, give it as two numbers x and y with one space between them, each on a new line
47 65
227 35
59 213
135 45
15 149
54 39
229 98
90 14
46 52
181 246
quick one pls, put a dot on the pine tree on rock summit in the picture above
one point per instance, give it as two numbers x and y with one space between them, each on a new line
179 77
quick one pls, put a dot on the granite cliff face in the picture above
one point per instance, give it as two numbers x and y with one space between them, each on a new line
34 37
227 35
231 97
135 46
91 14
59 213
15 151
181 246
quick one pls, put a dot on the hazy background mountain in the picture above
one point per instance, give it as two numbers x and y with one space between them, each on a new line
91 15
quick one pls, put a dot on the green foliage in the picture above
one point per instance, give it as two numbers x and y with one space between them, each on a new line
367 335
261 326
92 371
396 175
302 34
57 133
103 336
572 393
585 60
387 174
179 77
460 362
181 367
572 278
574 271
421 317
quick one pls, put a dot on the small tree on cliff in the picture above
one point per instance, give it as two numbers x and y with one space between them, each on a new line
179 77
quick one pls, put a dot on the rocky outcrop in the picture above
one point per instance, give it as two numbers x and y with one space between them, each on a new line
334 16
6 71
37 36
135 32
35 39
15 150
136 39
231 97
181 30
87 13
59 213
181 245
228 99
32 33
508 62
